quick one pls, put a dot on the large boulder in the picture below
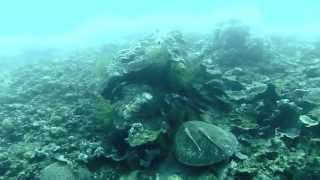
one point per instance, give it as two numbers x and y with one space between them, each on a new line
234 45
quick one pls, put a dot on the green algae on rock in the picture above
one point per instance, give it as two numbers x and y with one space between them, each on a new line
139 135
199 143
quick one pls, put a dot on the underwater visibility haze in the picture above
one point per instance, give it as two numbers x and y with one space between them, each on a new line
159 90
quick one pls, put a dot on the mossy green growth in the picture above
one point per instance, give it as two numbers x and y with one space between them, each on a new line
182 75
158 56
102 62
156 66
105 113
179 75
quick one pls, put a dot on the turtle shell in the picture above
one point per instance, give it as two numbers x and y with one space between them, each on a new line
199 143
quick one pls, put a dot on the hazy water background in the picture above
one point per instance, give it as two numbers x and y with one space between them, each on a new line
77 23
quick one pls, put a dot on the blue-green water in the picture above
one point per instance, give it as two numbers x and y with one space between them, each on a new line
63 23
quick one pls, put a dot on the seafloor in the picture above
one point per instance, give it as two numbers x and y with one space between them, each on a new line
223 105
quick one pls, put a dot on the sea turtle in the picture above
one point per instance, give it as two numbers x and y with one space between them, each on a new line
199 143
59 171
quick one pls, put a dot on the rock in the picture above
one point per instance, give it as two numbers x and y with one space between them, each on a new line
307 121
234 46
236 71
287 115
212 73
199 143
249 94
265 105
213 94
135 105
215 87
269 96
138 103
57 171
312 71
7 125
149 67
139 135
232 84
313 96
315 114
4 164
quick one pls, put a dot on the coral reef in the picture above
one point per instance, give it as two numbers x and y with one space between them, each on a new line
226 105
